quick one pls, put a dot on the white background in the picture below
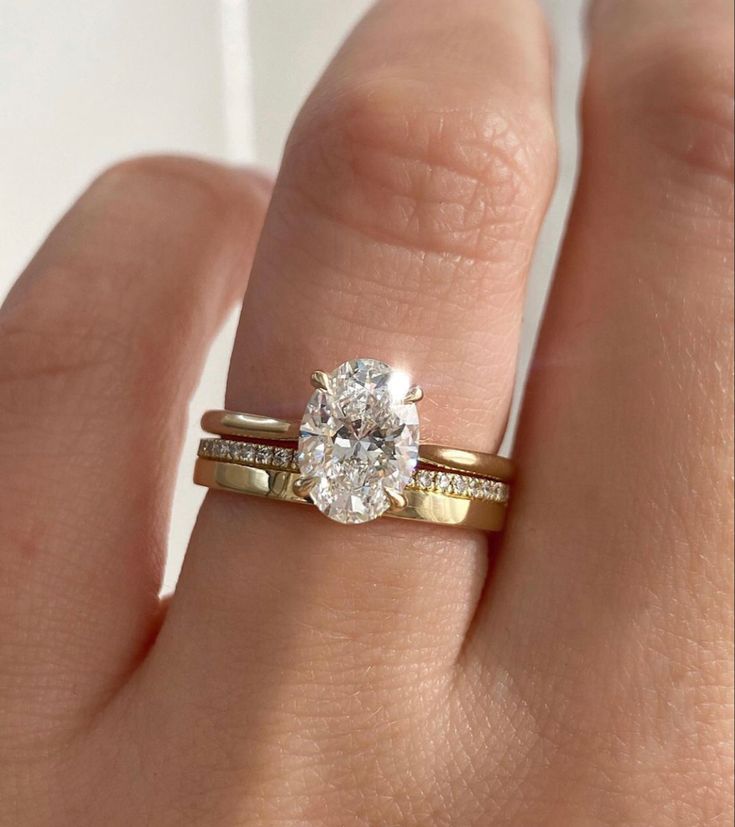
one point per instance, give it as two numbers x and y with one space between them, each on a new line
86 82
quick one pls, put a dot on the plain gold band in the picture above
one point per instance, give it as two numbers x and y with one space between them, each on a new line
233 423
425 506
252 426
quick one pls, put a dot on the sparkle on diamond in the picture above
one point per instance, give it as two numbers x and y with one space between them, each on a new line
359 438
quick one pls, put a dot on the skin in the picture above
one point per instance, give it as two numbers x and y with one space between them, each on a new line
575 672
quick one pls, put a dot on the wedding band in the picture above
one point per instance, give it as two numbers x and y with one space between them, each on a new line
426 505
355 455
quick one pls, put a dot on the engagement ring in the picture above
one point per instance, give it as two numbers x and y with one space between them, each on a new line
356 455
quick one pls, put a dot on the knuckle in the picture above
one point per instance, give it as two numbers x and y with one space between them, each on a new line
139 167
208 190
91 302
140 177
693 116
385 160
677 89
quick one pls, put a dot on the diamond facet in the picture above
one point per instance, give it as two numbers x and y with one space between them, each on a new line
358 437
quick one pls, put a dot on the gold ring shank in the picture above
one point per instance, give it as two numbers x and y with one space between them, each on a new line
456 459
424 506
234 423
252 426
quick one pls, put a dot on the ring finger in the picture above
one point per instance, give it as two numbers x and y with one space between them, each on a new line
401 228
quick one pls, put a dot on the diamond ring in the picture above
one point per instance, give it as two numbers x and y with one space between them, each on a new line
356 455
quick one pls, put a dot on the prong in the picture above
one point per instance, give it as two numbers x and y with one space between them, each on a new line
397 500
414 394
320 380
303 486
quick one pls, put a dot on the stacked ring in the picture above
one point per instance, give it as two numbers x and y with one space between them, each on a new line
355 455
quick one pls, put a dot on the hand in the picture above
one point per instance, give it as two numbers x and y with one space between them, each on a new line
393 674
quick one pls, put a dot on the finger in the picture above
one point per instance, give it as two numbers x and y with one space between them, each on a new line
621 525
101 341
401 227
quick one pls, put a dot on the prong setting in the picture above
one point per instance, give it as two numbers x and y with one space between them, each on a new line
303 486
396 499
414 394
320 380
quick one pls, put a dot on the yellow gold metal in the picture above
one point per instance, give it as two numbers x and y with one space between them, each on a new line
231 423
303 486
456 459
415 394
320 380
396 499
424 506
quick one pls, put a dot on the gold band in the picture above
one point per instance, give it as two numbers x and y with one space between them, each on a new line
252 426
359 456
425 506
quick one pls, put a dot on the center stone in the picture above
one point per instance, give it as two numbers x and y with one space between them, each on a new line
359 438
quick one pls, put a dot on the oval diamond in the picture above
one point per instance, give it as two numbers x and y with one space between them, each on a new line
358 439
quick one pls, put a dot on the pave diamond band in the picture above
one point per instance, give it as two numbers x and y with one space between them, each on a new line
248 453
423 479
356 455
460 485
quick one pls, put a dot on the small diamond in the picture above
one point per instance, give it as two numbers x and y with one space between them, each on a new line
425 480
460 485
443 483
498 492
264 455
282 457
488 489
474 486
247 452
